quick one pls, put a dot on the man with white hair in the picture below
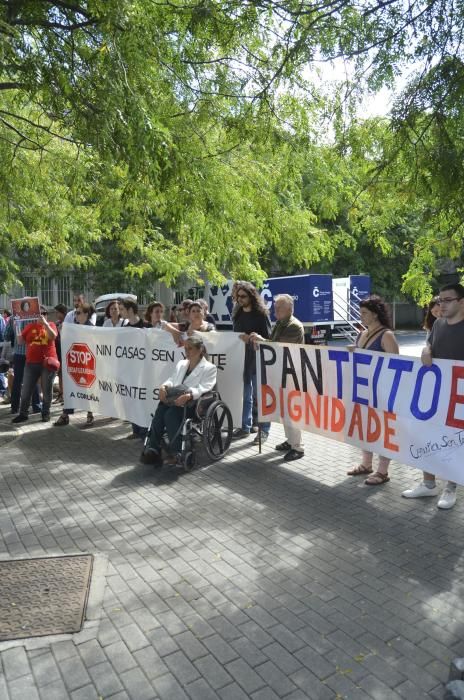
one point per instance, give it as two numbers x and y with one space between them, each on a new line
287 329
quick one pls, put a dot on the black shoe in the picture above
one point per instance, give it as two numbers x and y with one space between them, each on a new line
292 455
239 433
283 446
149 456
20 418
254 429
45 417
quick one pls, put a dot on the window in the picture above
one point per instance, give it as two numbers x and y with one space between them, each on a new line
30 287
46 291
64 291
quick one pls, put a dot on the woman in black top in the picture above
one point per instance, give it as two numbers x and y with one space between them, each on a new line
250 316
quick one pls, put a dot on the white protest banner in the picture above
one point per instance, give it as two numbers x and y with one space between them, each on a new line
387 404
117 371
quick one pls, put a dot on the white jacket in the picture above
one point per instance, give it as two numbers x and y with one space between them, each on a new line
201 380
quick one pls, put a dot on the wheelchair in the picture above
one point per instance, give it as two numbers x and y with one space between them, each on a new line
211 425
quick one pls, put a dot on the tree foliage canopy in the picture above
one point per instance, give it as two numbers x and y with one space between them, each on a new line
190 135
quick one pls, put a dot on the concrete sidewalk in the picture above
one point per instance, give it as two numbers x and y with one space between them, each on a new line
249 578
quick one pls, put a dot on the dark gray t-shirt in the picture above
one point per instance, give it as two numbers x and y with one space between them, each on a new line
447 340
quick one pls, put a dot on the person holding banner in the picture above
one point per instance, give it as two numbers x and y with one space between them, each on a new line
196 323
13 335
445 342
194 377
288 329
154 315
433 312
378 336
113 318
84 317
78 301
41 363
250 316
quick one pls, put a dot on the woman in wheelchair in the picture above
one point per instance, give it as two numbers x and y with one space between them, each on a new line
192 378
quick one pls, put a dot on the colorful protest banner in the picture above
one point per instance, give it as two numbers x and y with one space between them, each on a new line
27 308
116 372
387 404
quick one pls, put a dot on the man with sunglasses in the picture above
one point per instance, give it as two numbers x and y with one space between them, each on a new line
446 342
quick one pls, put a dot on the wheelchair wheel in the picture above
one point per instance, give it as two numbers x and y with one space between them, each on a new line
188 461
217 430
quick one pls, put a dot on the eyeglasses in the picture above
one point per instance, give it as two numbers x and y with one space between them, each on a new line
447 300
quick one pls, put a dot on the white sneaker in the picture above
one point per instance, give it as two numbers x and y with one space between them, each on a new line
447 499
420 491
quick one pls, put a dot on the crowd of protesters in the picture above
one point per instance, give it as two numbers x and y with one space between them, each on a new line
33 352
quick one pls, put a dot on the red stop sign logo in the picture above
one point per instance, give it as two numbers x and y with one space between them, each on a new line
81 363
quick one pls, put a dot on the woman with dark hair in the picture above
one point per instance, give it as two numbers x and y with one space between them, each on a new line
83 315
154 315
433 312
198 376
195 323
113 318
61 311
250 316
375 316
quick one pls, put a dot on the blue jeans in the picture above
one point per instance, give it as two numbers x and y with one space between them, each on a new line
19 362
249 391
32 373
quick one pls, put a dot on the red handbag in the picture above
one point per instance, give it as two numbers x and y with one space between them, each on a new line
51 363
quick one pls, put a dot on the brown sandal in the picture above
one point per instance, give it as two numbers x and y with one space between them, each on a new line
360 470
377 479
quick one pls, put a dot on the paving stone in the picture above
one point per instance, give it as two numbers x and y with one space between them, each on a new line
91 653
22 688
44 668
191 647
168 688
213 672
181 667
275 679
150 662
105 679
161 641
15 663
233 692
120 657
377 689
137 685
54 691
265 694
256 634
89 692
200 690
311 685
74 673
221 649
244 675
